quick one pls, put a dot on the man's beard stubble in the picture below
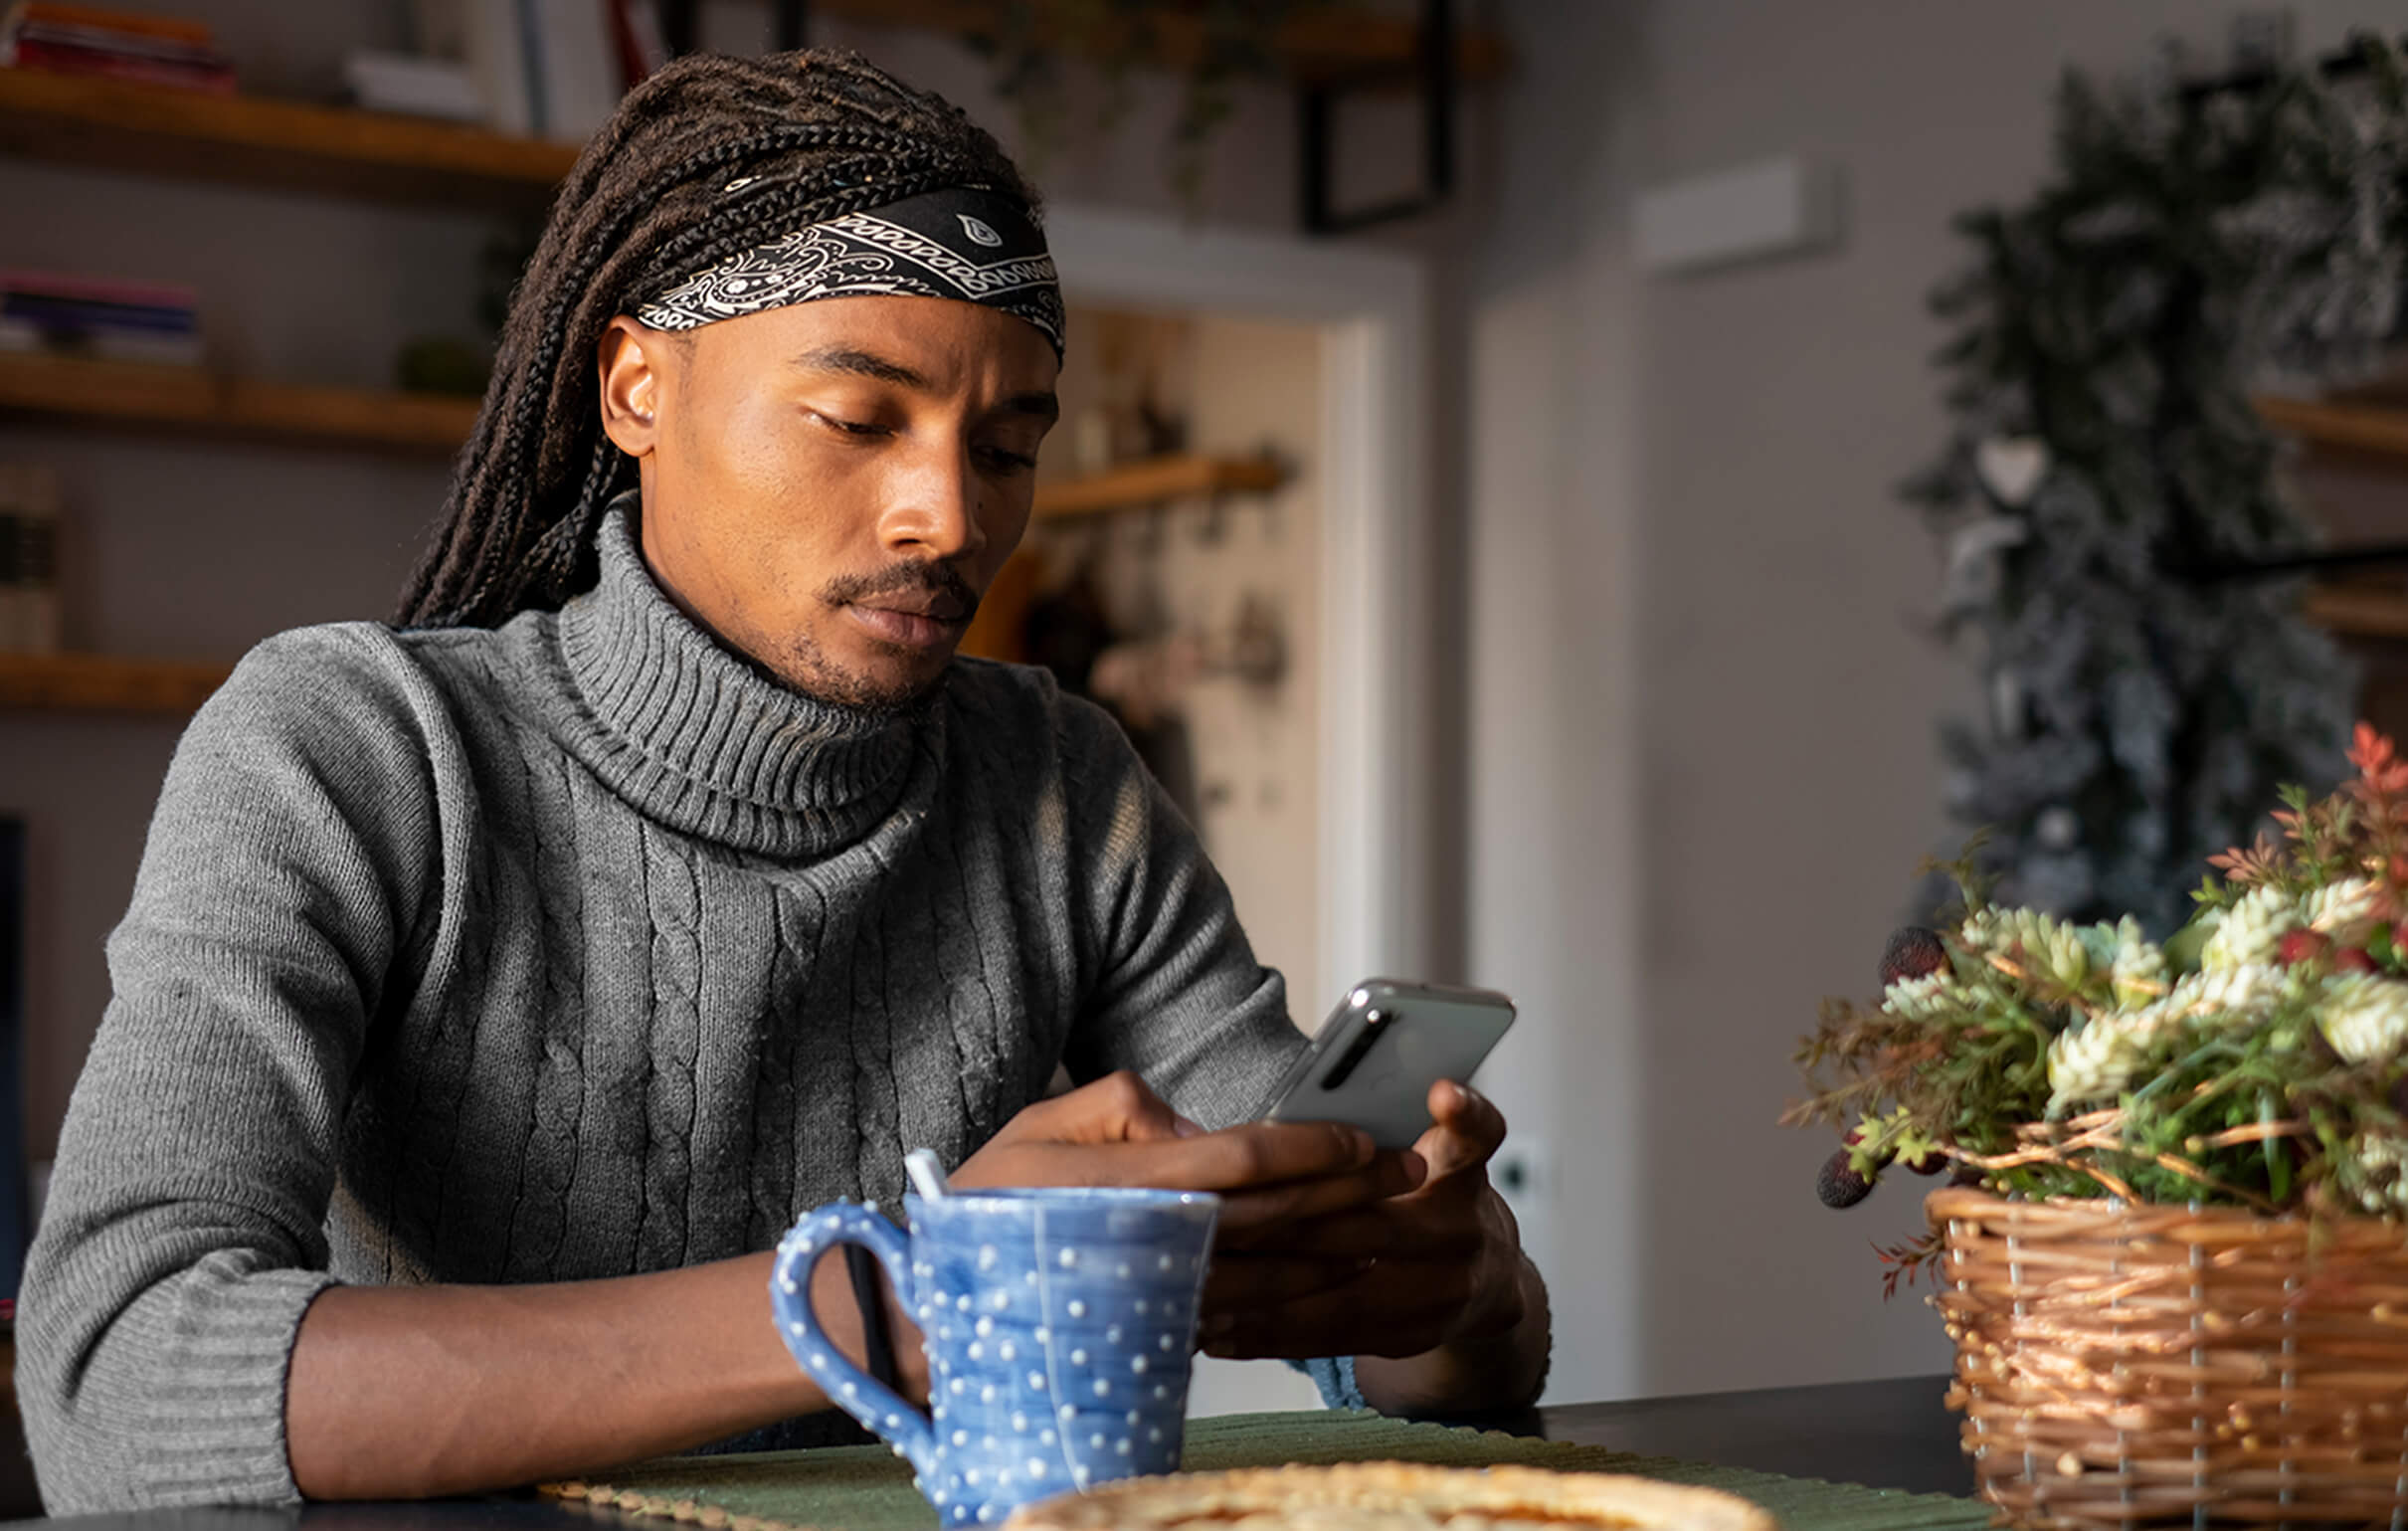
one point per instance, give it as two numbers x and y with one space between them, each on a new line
824 681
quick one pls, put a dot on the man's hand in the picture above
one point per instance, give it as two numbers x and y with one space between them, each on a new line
1429 1267
1442 1312
1324 1247
1118 1132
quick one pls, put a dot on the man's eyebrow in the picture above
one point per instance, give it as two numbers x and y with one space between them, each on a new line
839 358
1041 403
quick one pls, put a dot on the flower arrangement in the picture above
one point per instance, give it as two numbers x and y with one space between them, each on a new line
2256 1058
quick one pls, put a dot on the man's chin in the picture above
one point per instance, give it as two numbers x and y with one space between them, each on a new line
880 689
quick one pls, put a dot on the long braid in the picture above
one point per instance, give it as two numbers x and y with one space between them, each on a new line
812 137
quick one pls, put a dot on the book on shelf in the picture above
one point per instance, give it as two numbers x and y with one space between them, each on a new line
67 39
99 318
412 86
29 559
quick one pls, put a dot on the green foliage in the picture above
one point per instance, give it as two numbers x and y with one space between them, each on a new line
2259 1060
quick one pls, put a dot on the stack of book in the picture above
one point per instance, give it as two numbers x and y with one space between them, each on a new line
101 318
29 559
120 45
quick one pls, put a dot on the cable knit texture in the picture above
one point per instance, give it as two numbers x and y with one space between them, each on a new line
576 949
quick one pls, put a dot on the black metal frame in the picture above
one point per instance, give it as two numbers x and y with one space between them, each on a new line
1316 121
2306 563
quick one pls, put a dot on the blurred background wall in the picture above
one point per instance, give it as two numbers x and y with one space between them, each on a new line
1699 705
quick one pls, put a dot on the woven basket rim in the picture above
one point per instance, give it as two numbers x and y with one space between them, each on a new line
1971 1201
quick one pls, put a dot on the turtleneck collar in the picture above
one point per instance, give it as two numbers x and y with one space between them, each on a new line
700 740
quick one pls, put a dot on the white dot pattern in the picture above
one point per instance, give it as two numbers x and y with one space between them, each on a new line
1097 1343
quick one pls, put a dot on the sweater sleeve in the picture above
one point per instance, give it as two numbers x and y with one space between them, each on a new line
1176 995
184 1234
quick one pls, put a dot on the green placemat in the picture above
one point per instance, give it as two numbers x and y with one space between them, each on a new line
865 1488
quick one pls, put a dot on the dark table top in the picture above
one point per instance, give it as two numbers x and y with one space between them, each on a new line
1892 1434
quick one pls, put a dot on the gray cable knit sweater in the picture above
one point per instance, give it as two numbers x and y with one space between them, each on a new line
575 949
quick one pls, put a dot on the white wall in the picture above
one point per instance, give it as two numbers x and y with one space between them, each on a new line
1701 768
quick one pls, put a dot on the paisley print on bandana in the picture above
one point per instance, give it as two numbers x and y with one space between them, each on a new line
962 242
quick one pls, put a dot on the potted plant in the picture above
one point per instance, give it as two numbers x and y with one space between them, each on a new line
2171 1251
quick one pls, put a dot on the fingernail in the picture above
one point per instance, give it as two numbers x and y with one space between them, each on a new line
1186 1128
1365 1148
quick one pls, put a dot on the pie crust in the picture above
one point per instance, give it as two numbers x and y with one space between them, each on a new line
1392 1496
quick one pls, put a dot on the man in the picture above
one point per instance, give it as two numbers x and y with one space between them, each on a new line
497 989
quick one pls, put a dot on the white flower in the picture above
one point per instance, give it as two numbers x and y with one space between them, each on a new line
2097 1059
2251 931
2343 904
1918 999
2385 1162
2040 944
2241 994
2138 970
2364 1016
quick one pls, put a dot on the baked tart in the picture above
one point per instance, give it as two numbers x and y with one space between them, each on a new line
1392 1496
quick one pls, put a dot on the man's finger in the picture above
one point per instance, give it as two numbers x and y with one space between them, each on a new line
1236 1159
1466 1129
1238 1281
1248 1216
1377 1232
1119 1108
1393 1309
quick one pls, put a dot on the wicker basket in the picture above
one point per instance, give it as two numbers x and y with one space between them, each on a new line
2121 1365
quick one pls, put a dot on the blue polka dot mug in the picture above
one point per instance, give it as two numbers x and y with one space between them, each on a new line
1059 1324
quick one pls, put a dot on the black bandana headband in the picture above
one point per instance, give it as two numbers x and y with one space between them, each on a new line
964 243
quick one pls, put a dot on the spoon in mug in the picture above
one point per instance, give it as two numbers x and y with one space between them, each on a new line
926 1177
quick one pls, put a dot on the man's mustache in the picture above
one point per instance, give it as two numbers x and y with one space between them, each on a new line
947 594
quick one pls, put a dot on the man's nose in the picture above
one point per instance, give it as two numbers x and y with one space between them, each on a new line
934 506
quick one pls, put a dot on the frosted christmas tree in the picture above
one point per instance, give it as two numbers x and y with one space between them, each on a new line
2107 485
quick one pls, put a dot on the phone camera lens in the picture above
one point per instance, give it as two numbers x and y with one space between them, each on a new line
1373 1025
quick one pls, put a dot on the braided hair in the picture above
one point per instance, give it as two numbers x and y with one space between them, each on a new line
708 158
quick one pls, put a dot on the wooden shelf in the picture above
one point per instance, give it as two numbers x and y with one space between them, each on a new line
196 400
98 683
284 145
1157 479
2359 427
2358 612
341 151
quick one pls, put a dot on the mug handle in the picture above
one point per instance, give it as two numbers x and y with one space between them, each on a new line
879 1408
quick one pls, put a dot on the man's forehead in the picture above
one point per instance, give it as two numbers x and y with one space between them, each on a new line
908 340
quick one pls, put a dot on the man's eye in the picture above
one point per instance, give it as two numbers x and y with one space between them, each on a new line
849 427
1005 459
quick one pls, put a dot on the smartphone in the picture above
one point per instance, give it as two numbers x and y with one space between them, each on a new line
1373 1062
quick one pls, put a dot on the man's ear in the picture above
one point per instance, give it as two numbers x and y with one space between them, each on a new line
633 359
